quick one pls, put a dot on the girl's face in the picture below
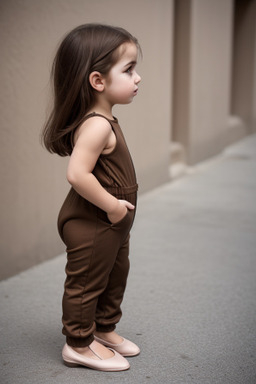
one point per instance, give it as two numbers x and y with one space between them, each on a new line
122 80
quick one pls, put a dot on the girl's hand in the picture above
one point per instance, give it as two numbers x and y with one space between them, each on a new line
121 210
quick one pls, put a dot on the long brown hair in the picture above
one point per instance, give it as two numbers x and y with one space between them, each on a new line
87 48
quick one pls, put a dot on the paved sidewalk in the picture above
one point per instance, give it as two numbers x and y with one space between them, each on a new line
191 298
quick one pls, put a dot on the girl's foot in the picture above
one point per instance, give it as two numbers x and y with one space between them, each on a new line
111 337
119 344
94 357
95 351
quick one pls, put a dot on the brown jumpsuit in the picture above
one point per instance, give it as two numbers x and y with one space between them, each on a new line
97 251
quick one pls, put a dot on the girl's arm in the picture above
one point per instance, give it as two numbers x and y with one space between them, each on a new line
94 137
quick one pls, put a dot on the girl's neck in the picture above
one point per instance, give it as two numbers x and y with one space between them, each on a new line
102 107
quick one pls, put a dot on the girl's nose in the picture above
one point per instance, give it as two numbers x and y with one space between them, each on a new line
138 78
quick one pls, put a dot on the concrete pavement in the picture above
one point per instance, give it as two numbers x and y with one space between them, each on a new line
191 298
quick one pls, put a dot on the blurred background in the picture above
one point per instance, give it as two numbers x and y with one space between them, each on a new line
197 95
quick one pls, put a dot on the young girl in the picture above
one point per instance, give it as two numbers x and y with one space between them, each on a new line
93 70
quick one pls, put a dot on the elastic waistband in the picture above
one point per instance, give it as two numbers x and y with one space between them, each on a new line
122 190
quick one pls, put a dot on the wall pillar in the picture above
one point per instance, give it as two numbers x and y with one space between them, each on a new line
243 104
202 76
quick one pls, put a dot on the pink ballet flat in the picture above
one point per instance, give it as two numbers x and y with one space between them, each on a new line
73 359
126 348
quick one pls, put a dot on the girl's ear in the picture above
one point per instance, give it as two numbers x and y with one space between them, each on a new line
97 81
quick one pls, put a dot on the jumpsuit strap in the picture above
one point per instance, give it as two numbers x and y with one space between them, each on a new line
92 114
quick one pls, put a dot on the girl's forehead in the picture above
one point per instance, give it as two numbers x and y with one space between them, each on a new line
127 51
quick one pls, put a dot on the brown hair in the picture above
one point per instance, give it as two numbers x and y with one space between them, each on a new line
87 48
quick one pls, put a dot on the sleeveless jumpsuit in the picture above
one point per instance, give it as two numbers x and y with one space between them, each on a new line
97 250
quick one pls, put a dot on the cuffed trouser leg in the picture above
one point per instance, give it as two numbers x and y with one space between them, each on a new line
108 311
78 326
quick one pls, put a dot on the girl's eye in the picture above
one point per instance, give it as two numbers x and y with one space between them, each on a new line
129 70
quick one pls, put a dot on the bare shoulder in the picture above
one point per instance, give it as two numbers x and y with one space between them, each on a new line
97 124
95 127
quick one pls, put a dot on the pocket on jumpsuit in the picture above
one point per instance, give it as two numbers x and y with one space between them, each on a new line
119 222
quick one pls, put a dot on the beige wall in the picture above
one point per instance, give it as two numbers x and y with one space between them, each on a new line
214 89
210 103
33 182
